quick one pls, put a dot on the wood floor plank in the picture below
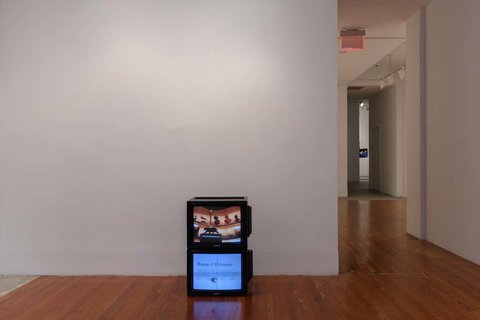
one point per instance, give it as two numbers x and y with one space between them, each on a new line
385 274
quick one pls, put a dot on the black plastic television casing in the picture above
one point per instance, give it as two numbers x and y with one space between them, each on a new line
247 272
246 222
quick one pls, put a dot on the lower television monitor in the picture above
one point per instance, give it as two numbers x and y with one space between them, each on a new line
218 273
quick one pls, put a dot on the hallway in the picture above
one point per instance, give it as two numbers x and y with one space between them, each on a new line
385 274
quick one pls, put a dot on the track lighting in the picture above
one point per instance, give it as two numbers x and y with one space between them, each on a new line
390 79
401 73
382 84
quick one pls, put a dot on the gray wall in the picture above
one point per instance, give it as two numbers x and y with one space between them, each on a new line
453 173
414 129
342 135
353 141
386 111
114 113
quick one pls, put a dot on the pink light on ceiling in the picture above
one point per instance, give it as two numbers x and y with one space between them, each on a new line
352 40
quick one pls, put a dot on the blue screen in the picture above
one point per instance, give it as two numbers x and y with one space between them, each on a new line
217 271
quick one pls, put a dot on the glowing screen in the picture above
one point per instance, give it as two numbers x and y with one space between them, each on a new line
217 225
217 271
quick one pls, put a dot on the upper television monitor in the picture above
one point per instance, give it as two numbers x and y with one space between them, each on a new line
218 222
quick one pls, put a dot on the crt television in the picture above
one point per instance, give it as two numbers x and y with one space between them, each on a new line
218 272
218 222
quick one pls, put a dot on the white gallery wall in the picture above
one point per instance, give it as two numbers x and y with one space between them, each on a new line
453 174
386 110
114 113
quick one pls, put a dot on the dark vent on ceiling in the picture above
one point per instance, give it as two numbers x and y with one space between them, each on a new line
355 88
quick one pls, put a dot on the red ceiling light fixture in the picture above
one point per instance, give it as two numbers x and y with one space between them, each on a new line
352 40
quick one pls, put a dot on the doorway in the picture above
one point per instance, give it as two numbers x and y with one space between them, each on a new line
392 49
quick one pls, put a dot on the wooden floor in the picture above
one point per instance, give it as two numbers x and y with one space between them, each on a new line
386 274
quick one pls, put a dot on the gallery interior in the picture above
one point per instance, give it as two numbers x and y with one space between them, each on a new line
239 159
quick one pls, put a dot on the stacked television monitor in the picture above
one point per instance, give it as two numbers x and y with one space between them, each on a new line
218 260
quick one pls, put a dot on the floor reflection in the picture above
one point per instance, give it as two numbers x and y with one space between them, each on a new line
235 309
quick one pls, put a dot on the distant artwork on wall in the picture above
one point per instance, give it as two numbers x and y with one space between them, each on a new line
363 153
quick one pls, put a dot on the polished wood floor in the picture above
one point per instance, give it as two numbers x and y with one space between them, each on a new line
385 274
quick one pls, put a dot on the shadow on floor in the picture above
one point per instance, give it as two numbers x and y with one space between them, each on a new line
361 191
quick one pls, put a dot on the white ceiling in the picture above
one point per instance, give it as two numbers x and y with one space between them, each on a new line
388 64
369 80
385 25
381 18
352 65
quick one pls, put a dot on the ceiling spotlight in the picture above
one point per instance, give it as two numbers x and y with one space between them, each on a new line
362 104
390 80
382 84
401 73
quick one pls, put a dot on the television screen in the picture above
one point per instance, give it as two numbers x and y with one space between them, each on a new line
217 225
221 271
